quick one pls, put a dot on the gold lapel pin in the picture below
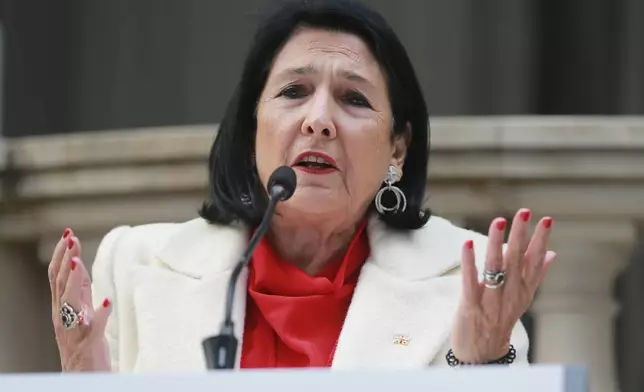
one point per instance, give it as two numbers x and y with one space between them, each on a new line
401 340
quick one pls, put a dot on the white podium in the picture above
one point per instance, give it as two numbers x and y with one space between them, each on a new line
479 379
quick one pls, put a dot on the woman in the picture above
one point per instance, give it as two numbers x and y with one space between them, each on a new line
353 272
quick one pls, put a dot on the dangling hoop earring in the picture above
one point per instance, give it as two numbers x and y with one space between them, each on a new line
401 200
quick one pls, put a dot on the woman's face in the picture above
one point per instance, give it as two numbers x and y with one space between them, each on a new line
325 112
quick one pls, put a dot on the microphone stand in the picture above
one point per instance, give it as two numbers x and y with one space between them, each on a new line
221 350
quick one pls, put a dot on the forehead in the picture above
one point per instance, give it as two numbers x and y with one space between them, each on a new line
318 49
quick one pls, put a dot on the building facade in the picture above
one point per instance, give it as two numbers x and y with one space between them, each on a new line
588 173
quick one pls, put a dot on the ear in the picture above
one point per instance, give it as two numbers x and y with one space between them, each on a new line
399 148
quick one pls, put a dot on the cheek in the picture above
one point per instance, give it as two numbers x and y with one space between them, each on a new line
272 142
368 158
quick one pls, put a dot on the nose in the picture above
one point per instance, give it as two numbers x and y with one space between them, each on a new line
319 119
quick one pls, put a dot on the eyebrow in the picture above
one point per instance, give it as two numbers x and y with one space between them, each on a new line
310 70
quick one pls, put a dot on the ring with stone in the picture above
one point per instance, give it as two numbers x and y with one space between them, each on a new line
69 317
493 280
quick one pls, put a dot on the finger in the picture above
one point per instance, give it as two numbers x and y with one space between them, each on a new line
72 249
471 287
518 240
549 258
101 315
85 285
536 252
74 288
54 264
494 253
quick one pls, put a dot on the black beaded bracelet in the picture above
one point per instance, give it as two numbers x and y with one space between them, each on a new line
505 360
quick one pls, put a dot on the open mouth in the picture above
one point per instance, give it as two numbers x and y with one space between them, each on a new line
315 162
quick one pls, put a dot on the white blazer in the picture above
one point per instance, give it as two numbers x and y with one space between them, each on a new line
168 283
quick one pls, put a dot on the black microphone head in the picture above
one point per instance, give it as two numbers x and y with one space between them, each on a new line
284 177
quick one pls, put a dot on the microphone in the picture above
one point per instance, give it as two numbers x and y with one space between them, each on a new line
221 350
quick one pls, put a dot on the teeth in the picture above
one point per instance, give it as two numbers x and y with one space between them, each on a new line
311 158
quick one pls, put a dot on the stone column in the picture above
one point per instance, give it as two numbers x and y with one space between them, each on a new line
574 310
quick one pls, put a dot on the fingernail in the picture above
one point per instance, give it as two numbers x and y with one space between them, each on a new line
525 215
469 244
70 243
66 233
74 263
500 224
106 303
547 223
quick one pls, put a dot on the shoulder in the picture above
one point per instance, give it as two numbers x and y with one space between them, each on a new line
147 238
129 243
185 247
432 250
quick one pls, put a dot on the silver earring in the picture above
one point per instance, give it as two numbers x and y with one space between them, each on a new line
246 199
401 200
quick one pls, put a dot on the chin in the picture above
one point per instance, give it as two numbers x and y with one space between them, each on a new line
306 205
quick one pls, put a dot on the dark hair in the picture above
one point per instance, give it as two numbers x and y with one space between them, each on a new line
236 193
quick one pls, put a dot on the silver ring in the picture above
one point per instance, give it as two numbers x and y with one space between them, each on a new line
70 318
493 280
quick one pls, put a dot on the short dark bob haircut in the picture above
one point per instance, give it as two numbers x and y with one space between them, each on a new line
235 192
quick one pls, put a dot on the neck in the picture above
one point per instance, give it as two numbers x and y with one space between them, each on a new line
310 247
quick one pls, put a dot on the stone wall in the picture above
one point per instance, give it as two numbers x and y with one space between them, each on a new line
586 172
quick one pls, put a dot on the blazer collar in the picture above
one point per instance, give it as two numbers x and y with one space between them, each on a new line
198 249
396 295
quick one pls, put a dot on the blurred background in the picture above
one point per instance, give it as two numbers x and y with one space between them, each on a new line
109 108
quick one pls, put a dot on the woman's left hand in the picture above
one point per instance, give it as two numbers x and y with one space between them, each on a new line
489 311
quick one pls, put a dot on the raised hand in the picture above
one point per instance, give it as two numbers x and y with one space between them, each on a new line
80 330
490 309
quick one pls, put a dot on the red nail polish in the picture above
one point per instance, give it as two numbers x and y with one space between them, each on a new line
469 244
500 224
106 303
525 215
547 223
66 233
74 263
70 243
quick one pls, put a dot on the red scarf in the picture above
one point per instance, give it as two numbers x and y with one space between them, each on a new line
293 319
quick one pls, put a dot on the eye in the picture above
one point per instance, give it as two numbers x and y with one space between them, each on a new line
354 98
294 91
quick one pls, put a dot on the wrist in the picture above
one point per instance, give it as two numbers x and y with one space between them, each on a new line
496 354
503 357
480 356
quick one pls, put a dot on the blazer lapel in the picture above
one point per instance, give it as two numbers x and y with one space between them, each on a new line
402 309
399 317
182 303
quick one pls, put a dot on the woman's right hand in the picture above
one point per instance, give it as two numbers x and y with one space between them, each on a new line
79 328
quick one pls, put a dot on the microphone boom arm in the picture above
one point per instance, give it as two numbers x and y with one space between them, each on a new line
221 350
275 197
